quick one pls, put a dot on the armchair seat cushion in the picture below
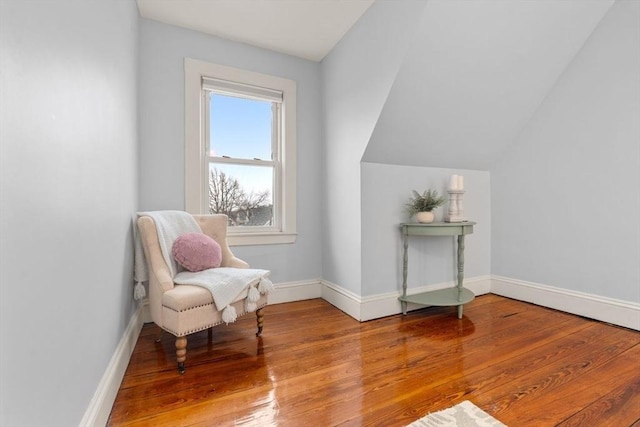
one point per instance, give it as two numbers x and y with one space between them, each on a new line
185 297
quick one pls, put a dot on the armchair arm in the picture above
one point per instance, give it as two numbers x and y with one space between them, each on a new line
163 278
236 263
160 280
159 275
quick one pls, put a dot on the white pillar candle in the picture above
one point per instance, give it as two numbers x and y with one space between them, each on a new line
460 185
453 182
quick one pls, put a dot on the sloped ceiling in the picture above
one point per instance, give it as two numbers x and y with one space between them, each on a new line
474 75
308 29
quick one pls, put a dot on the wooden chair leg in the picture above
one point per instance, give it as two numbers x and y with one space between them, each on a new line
159 336
260 319
181 352
210 333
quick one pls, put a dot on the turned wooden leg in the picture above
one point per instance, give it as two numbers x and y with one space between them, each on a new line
210 333
181 352
259 318
159 336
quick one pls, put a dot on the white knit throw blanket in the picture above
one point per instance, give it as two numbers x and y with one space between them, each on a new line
169 225
225 284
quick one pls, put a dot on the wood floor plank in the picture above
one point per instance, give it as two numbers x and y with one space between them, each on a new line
591 387
316 365
563 376
488 369
619 406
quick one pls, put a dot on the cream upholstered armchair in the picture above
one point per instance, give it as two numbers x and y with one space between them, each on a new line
184 309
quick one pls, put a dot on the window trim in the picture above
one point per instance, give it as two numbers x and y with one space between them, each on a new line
195 147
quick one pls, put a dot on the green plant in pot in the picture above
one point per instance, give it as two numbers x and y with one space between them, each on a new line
422 205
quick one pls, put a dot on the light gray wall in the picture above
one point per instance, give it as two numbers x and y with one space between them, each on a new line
68 190
162 52
356 77
385 191
473 76
566 197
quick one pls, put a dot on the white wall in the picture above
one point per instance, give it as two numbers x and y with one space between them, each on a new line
68 190
356 78
566 197
162 52
473 76
385 191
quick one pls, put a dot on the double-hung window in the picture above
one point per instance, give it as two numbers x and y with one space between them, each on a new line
240 151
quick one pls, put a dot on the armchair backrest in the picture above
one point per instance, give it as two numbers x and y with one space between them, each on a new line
215 226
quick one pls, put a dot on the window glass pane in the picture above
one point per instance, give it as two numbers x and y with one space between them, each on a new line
239 127
243 193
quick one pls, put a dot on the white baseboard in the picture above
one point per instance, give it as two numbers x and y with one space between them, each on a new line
342 298
146 311
381 305
295 291
621 313
97 414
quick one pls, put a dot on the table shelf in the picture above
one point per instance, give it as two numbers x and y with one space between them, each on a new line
441 297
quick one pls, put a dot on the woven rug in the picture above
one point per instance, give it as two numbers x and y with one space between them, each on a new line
464 414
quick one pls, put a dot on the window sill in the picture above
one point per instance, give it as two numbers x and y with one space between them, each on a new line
246 239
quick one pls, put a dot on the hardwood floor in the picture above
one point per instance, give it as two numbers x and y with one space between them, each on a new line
314 365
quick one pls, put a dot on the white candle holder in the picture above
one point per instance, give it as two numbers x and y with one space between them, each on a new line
456 206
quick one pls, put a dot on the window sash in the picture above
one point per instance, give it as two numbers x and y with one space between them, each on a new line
276 133
247 229
276 129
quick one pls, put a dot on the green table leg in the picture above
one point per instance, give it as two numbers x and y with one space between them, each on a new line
460 271
405 261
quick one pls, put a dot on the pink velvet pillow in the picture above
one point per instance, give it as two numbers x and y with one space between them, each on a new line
197 252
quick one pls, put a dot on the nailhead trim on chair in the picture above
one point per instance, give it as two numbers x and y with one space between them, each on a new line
175 334
187 309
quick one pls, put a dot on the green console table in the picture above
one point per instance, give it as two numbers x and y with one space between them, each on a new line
455 296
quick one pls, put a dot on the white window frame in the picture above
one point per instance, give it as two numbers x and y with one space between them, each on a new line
196 150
